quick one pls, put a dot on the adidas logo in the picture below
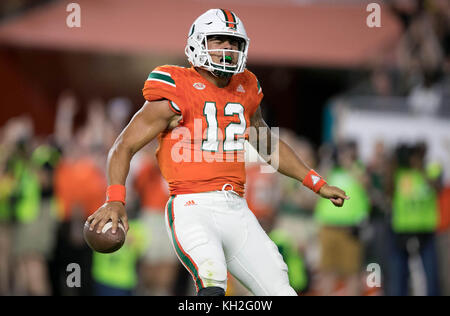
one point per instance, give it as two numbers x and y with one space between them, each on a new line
190 203
240 88
315 179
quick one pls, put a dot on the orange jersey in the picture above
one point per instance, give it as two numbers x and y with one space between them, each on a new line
206 150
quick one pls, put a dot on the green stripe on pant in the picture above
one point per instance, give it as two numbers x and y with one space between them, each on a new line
184 257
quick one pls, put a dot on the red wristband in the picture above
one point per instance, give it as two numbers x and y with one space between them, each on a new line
116 193
313 181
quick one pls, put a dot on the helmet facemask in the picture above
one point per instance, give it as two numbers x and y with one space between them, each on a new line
222 68
227 61
218 22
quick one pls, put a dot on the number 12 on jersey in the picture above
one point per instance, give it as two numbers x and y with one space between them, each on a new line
230 143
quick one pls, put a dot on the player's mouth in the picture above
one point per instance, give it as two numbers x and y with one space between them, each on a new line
228 60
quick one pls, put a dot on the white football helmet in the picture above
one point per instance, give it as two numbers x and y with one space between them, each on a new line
216 22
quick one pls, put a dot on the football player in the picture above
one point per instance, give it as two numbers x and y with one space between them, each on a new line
212 105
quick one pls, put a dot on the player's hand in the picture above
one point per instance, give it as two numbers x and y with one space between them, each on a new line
334 194
113 211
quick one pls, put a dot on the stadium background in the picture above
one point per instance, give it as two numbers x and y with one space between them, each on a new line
330 81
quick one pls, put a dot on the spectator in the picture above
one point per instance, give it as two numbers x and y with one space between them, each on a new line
378 173
263 195
298 273
440 11
297 204
115 274
419 50
426 98
33 228
6 186
118 112
159 267
80 187
341 248
444 240
414 220
9 136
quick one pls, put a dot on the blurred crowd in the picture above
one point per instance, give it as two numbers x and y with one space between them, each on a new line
398 216
11 8
49 186
421 59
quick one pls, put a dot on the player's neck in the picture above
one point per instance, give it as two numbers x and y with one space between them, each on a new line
218 82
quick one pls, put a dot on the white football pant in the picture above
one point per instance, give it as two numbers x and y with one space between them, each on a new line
215 231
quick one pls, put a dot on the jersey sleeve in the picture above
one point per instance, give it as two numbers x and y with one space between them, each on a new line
256 91
161 84
259 93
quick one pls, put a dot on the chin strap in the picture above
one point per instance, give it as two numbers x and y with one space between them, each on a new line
222 74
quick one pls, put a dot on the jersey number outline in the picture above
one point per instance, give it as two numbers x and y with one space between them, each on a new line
230 143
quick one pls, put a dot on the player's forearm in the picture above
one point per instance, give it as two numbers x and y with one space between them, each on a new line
275 151
279 154
118 164
289 163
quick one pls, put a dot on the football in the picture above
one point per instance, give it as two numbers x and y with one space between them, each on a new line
106 241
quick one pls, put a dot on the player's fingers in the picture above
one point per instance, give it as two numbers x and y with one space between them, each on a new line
124 220
338 202
95 215
102 223
94 221
341 194
115 222
91 217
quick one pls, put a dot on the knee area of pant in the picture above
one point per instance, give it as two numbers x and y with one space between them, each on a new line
213 273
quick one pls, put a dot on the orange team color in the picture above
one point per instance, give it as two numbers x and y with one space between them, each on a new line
260 195
444 210
79 184
189 92
151 187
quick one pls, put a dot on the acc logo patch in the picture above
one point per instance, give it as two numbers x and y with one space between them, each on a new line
199 86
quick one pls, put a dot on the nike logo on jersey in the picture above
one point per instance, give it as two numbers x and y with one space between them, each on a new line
190 203
199 86
240 88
